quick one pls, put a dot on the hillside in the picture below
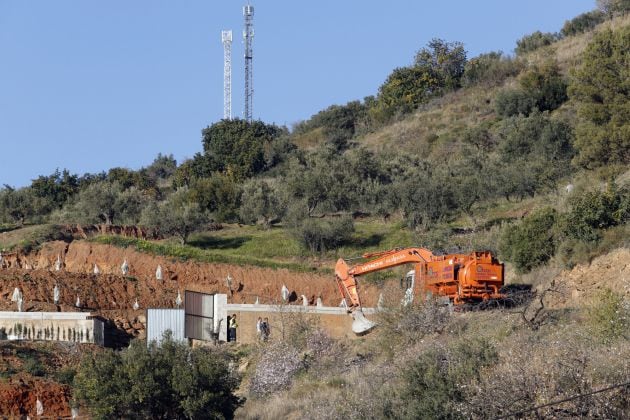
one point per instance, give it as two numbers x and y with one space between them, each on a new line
527 156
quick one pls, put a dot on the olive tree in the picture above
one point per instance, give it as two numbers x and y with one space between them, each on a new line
261 201
177 216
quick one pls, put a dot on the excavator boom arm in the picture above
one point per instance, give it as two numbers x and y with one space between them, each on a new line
347 282
346 275
391 259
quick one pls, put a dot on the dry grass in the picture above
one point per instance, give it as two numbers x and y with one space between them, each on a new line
310 139
450 113
568 51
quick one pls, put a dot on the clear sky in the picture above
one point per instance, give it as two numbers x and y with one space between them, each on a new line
89 85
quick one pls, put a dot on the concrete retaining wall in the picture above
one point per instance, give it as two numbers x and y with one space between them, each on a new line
334 320
77 327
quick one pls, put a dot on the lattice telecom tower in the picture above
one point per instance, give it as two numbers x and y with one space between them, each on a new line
248 37
226 37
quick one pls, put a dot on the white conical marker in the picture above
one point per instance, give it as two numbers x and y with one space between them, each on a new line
178 301
257 302
17 295
124 268
136 306
304 301
284 292
320 304
78 302
56 294
58 263
39 407
158 272
96 270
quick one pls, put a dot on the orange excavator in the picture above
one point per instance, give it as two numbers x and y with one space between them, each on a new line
462 278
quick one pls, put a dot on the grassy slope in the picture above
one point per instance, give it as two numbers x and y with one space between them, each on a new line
274 248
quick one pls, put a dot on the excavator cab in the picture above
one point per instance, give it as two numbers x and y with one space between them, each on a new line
408 284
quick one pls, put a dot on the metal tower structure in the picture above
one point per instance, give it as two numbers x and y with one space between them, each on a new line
226 38
248 37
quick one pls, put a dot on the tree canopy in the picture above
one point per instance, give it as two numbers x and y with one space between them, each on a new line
238 146
601 88
169 381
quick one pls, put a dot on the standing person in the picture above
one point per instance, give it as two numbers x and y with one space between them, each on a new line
233 327
259 328
265 329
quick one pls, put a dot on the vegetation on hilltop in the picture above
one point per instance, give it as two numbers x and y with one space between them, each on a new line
536 123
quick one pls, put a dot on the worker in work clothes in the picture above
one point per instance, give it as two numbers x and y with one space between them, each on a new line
233 327
265 329
259 328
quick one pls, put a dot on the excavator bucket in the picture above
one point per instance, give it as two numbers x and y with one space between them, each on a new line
361 324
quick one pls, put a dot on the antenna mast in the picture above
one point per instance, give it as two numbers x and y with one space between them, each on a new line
226 38
248 37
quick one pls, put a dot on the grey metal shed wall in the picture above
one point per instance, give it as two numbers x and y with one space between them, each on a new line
160 320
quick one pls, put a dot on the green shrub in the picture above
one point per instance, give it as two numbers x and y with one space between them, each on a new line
339 122
510 102
32 365
404 90
444 59
535 41
582 23
532 242
541 87
599 89
65 375
610 316
546 85
166 381
592 211
537 139
490 69
319 235
433 385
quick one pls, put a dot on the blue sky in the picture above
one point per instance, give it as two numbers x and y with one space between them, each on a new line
89 85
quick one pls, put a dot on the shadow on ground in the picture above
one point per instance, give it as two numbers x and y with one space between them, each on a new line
212 242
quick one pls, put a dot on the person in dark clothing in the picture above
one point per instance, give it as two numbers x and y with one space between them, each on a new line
233 326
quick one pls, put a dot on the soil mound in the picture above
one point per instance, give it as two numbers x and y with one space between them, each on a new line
585 281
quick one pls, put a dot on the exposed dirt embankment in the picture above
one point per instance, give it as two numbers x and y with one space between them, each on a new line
584 282
249 283
18 397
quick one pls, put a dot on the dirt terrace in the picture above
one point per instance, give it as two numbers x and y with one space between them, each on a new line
248 283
